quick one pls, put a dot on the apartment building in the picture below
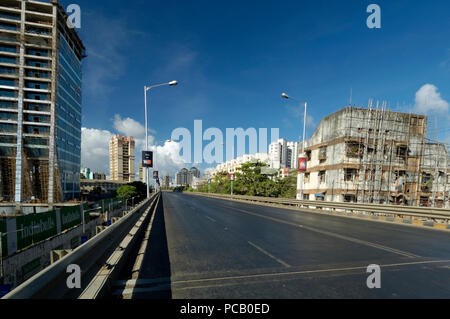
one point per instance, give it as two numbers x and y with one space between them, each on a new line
40 103
186 176
375 156
122 158
233 166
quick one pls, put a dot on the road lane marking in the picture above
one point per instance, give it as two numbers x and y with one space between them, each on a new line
211 219
270 255
351 239
265 275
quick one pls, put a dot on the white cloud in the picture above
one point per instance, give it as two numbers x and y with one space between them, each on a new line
95 149
428 99
129 127
167 158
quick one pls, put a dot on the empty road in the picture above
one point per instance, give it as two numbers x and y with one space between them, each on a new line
210 248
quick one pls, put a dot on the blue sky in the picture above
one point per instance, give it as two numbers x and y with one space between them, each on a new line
233 59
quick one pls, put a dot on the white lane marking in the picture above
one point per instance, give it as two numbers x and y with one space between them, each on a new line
355 240
211 219
270 255
134 291
279 274
136 282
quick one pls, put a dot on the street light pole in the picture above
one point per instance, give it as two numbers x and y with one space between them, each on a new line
146 141
301 174
147 88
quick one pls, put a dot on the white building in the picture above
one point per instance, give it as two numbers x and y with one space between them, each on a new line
278 153
294 149
232 166
197 181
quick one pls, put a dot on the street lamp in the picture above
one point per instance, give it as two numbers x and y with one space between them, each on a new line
147 88
285 96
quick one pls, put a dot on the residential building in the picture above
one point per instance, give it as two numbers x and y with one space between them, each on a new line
182 177
293 150
141 173
99 176
87 174
196 181
40 103
90 185
278 152
122 158
231 167
167 180
375 156
185 176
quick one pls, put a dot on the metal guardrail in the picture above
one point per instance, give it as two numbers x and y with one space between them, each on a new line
101 283
52 280
374 209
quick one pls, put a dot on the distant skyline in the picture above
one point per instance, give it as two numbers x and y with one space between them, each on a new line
233 60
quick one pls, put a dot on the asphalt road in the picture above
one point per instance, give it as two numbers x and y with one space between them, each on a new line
210 248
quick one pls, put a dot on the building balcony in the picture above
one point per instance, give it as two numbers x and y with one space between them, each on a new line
36 90
37 101
10 54
9 32
9 14
31 15
8 121
38 45
39 24
38 57
38 68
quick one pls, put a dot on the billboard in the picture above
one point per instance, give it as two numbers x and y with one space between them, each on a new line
268 171
302 164
147 159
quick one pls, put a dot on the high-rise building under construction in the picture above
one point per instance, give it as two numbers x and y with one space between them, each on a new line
378 156
40 103
122 158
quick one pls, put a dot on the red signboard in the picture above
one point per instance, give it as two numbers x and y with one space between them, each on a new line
302 164
231 177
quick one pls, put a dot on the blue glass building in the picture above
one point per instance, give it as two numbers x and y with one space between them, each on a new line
40 103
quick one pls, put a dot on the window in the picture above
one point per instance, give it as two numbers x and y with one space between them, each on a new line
322 177
323 153
350 174
354 149
307 176
308 155
350 198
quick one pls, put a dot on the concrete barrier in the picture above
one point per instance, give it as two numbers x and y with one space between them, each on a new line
51 282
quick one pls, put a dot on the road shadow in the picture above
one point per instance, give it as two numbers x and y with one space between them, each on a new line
155 269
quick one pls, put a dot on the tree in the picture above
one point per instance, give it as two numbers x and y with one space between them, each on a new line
127 191
249 181
141 188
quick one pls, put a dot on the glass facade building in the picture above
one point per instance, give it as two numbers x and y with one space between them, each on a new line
40 103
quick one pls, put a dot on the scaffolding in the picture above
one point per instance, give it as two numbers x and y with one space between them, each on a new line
393 158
